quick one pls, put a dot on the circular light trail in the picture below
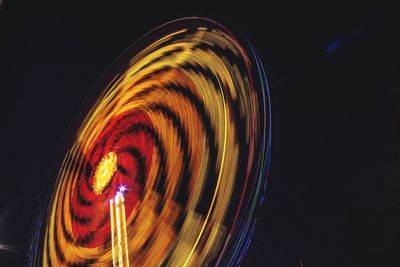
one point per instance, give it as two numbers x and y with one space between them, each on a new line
181 126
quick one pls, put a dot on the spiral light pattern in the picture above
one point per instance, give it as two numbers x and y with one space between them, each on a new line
184 114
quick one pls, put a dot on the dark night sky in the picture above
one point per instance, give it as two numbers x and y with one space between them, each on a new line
333 196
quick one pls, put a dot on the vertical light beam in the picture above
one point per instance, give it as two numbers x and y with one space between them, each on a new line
118 231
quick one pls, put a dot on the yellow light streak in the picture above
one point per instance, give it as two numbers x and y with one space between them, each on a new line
119 238
219 175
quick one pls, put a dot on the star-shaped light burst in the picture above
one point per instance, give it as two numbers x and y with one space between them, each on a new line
122 189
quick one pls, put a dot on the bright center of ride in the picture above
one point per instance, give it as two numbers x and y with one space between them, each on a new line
104 172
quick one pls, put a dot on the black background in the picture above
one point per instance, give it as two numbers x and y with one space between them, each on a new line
333 193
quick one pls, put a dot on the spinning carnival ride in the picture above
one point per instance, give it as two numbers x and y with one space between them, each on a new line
168 165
